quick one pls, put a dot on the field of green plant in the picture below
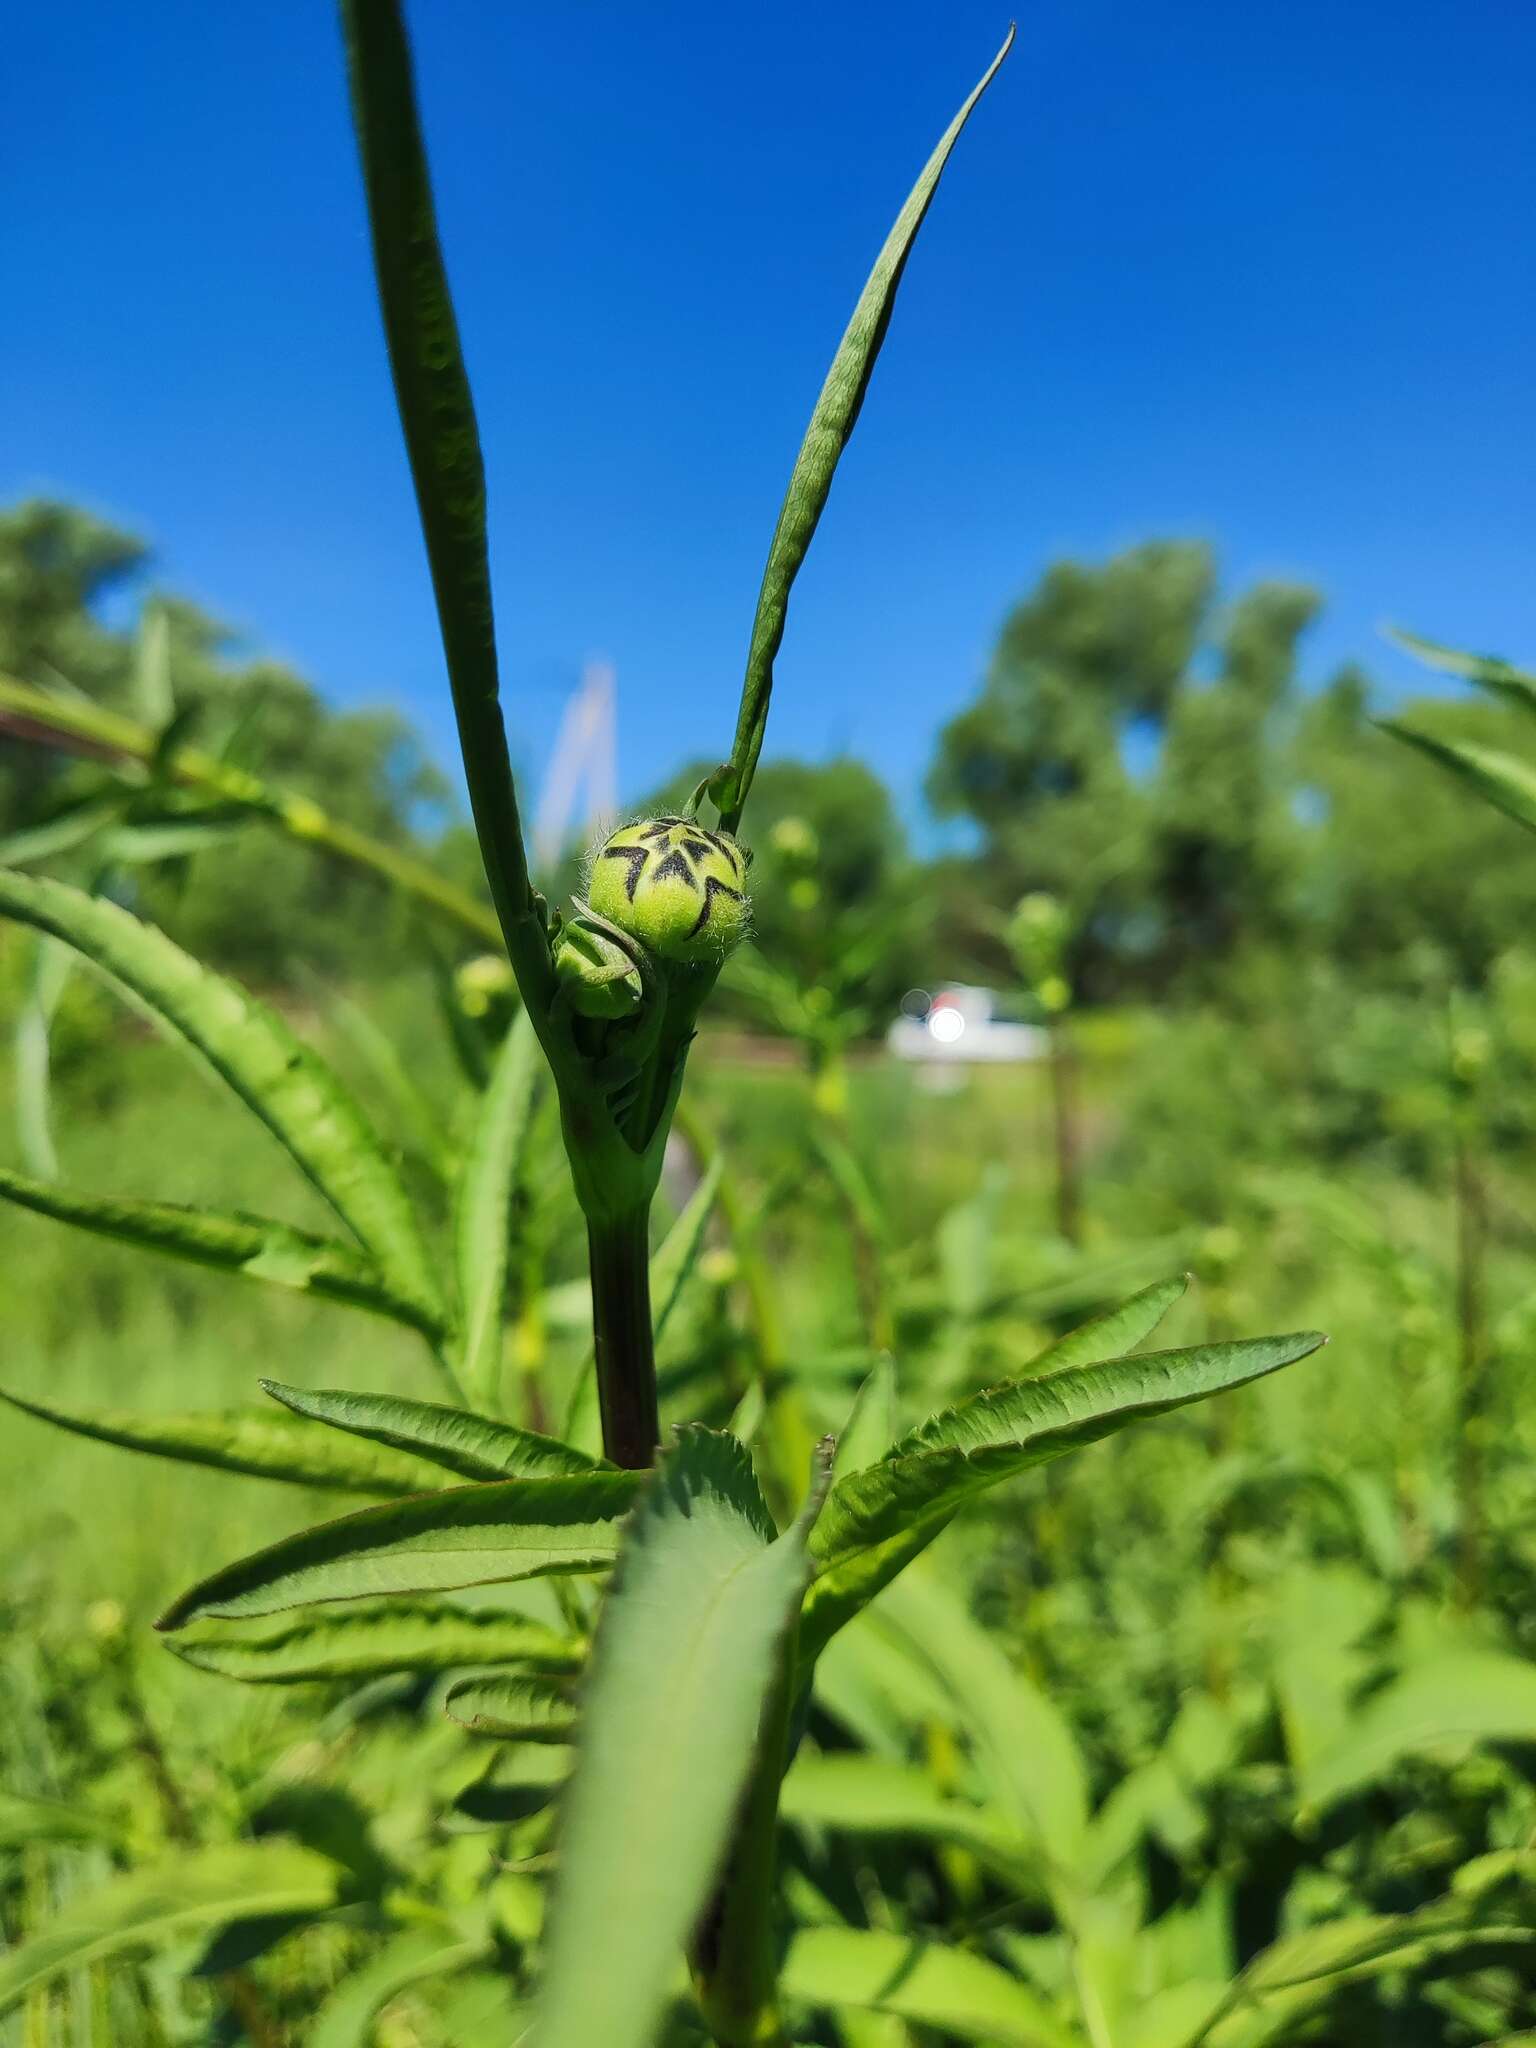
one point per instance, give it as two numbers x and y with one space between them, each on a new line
554 1490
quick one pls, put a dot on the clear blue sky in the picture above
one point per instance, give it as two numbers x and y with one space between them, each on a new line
1260 272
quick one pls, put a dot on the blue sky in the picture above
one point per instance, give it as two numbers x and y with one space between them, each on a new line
1261 273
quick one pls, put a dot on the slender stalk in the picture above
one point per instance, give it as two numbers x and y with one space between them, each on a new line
734 1954
621 1331
1471 1251
1064 1123
87 728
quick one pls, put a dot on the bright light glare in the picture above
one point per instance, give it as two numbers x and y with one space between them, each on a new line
946 1025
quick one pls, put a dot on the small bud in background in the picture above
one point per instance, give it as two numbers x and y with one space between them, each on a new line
483 983
795 843
105 1620
1038 935
676 887
597 977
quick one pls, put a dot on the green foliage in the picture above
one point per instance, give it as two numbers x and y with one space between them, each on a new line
686 1658
248 1881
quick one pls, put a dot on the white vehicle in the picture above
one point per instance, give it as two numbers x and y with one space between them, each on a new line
961 1024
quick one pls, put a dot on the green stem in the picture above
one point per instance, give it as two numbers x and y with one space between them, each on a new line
735 1955
621 1331
1471 1254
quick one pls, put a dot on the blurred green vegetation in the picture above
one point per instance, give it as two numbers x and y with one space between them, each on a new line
1281 1647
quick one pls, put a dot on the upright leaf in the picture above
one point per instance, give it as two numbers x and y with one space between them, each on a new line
473 1446
678 1252
686 1654
254 1441
442 441
832 423
250 1047
254 1247
878 1520
432 1543
199 1889
482 1212
871 1426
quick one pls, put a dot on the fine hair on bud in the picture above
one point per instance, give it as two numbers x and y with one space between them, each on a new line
674 886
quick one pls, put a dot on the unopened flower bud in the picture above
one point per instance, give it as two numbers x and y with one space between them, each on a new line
677 888
597 977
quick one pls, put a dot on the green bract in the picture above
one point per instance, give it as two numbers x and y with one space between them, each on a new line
596 975
676 887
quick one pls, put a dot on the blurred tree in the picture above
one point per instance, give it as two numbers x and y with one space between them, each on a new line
1119 760
250 902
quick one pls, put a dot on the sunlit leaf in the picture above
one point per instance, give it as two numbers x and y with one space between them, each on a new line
346 2018
432 1543
1503 779
874 1796
24 1820
199 1889
369 1642
871 1426
1452 1703
955 1992
1488 671
1299 1974
253 1050
253 1247
473 1446
482 1210
1022 1744
878 1520
678 1253
685 1657
832 423
520 1708
254 1441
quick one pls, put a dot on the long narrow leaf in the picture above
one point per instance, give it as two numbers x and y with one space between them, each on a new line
91 727
832 423
468 1536
482 1212
148 1908
1488 671
254 1441
678 1252
371 1642
253 1247
960 1994
473 1446
250 1047
685 1657
1503 779
437 416
878 1520
346 2018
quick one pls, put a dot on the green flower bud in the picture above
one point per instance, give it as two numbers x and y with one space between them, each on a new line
597 977
794 841
677 888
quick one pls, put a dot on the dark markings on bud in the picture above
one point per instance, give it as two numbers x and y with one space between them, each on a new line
713 887
675 863
636 857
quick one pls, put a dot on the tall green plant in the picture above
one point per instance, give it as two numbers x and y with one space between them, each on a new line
707 1640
